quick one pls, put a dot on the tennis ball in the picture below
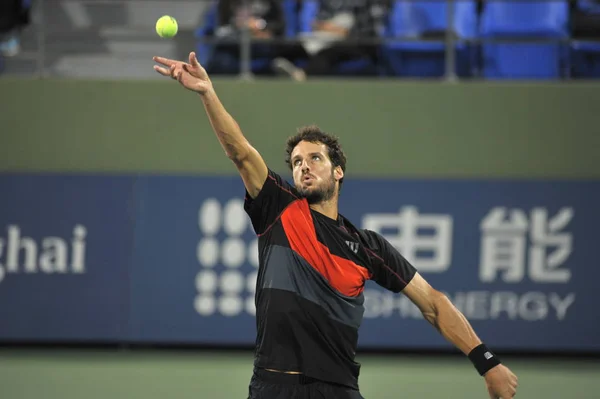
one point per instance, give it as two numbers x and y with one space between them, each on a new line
166 26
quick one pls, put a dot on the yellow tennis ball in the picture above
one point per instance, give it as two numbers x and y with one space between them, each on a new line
166 26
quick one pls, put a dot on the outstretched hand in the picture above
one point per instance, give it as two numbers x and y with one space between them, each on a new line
190 75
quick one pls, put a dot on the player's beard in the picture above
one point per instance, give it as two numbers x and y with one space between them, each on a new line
317 195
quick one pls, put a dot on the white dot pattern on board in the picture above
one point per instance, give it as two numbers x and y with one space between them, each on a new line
232 282
233 252
205 305
227 293
230 305
234 217
206 281
209 217
207 252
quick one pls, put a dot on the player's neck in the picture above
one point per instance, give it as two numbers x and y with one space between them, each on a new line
328 208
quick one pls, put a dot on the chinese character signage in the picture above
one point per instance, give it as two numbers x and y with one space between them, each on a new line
504 245
409 239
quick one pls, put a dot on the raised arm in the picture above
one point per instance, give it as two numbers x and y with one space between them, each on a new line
193 76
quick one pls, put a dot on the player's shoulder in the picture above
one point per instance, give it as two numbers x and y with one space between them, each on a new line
280 178
373 238
279 181
368 237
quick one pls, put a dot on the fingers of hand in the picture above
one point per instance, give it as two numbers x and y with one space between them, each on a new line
503 390
507 393
193 60
184 73
513 381
176 71
164 61
170 70
162 71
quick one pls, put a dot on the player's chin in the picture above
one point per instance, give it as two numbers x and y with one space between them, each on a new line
304 191
313 196
308 188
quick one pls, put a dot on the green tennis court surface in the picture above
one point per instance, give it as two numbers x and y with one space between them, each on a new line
97 374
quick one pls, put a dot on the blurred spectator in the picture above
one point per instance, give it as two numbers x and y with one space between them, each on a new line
585 19
327 44
14 15
263 19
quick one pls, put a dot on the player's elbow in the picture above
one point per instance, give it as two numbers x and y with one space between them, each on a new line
438 303
237 153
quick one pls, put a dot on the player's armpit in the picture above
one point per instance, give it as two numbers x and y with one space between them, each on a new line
253 170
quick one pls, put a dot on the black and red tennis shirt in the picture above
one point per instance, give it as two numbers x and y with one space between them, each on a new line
311 277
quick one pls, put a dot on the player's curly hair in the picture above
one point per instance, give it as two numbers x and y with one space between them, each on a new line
314 134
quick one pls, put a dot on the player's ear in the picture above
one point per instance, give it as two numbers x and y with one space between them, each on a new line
338 173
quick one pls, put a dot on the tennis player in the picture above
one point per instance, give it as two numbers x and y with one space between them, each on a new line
314 264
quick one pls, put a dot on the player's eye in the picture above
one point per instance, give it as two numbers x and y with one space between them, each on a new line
297 162
316 158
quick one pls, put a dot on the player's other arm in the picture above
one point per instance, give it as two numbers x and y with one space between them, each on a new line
442 314
392 271
246 158
454 326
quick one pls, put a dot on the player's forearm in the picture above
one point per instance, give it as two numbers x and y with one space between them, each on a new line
225 127
453 325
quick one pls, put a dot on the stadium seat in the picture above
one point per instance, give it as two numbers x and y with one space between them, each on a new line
529 20
261 53
429 19
308 13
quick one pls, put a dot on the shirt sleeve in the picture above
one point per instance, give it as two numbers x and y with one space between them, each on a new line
274 196
389 268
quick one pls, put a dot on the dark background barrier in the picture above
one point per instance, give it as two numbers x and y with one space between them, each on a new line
389 129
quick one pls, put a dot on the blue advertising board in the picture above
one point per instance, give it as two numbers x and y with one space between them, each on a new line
190 266
65 244
173 259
